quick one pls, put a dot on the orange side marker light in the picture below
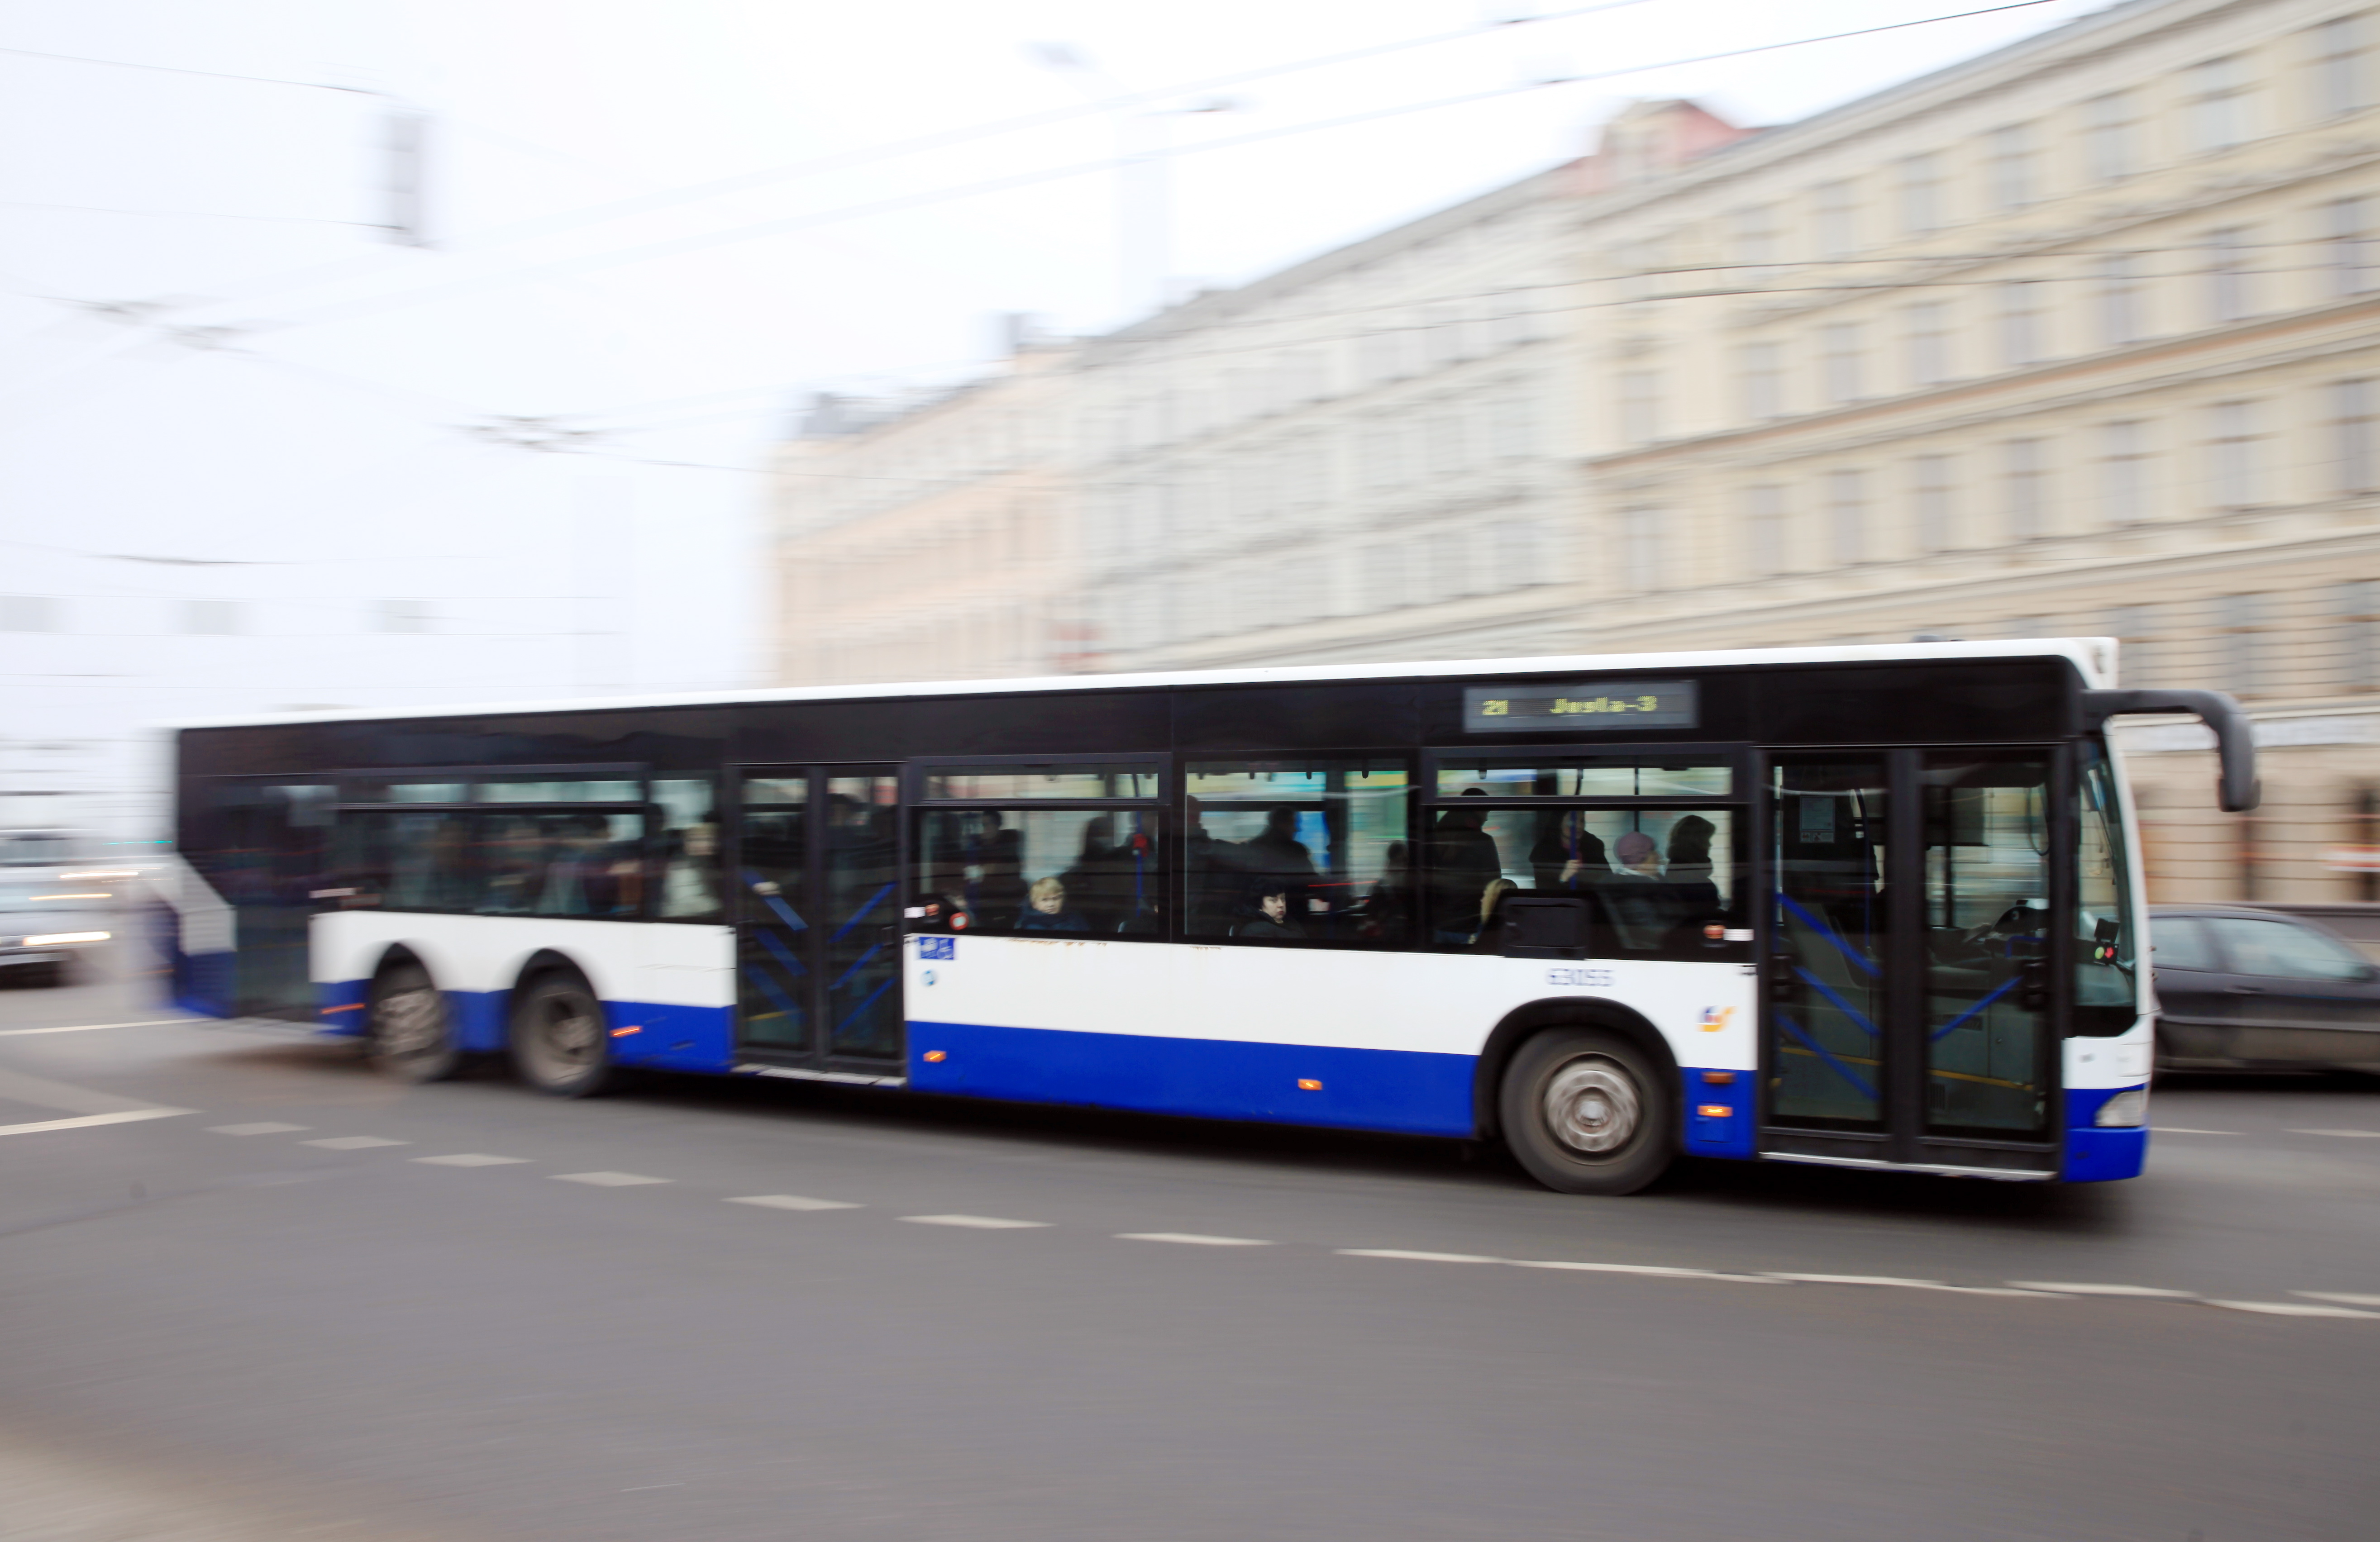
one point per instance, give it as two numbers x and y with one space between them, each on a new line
935 1057
1715 1110
1307 1083
623 1033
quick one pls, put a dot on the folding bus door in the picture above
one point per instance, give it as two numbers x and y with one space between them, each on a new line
817 920
1908 963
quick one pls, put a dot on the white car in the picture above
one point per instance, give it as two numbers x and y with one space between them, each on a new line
50 925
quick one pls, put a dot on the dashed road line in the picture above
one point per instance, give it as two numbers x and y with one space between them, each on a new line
1191 1239
980 1223
793 1202
353 1143
1417 1256
469 1159
2341 1135
83 1121
264 1127
1898 1282
2060 1287
94 1027
2345 1298
607 1180
2181 1130
1666 1271
2294 1309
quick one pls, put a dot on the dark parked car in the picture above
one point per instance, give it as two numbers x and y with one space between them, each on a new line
2239 988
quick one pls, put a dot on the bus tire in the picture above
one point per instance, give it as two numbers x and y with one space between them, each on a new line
1585 1112
559 1040
409 1034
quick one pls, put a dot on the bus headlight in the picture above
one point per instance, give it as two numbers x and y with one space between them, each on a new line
61 938
2125 1111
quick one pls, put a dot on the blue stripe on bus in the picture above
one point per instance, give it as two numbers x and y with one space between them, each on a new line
1406 1091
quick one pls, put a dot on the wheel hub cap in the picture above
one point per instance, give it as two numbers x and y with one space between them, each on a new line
409 1023
1591 1106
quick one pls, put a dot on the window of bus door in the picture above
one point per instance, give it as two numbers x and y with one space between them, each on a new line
1045 848
1660 870
1294 849
2106 987
1987 901
1830 825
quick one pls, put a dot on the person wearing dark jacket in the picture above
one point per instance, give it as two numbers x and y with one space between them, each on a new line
1462 861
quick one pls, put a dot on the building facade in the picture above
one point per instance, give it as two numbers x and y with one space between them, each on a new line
930 538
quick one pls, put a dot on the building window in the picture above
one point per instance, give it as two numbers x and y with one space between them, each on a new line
1761 370
2227 275
1927 328
2355 444
1640 543
405 615
1640 406
2354 266
2024 481
2019 324
2013 173
2120 300
2107 137
1514 547
1764 522
2135 629
2235 455
1847 515
2239 624
1930 491
2124 473
1755 229
2341 64
211 618
1840 363
1921 194
2356 609
1384 577
1445 446
1836 220
2219 104
28 613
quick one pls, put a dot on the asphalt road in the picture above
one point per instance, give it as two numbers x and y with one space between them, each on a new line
291 1307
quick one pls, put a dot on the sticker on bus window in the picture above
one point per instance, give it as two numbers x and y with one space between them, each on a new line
938 947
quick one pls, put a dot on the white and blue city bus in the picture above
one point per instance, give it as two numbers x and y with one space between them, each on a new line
1868 906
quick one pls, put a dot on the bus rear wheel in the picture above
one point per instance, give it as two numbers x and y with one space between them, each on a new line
408 1034
1585 1112
560 1043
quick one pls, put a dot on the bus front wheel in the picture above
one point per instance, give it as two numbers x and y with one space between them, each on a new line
1585 1112
409 1035
559 1040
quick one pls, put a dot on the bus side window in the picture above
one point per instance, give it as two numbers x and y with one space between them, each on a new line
1027 872
1298 849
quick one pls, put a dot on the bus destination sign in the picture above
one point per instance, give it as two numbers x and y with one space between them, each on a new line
1587 705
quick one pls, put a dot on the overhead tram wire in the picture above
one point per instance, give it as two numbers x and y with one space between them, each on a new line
676 246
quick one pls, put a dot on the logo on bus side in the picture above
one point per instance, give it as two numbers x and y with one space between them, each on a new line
938 947
1714 1019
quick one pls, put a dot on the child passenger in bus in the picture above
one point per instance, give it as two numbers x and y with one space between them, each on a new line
1045 909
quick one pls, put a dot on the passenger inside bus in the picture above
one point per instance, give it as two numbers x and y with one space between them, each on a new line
690 874
1567 856
1464 860
1272 922
1046 910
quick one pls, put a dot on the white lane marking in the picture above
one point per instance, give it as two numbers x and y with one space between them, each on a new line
1666 1271
2179 1130
1192 1239
65 1097
2344 1297
2057 1287
471 1158
2294 1309
84 1121
94 1027
1424 1258
353 1143
265 1127
607 1180
793 1202
2342 1135
981 1223
644 1487
1905 1284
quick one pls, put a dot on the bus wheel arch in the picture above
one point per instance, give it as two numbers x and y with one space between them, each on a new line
556 1030
410 1029
1597 1060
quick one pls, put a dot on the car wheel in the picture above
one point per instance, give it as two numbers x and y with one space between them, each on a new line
1585 1112
561 1044
409 1034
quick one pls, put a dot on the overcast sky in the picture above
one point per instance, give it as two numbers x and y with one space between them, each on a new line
288 391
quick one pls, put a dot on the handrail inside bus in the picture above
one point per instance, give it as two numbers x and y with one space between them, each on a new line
2237 790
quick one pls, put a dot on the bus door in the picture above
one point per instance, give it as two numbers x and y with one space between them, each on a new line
1910 957
819 913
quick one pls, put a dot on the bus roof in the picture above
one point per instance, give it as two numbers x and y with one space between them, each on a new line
2093 657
